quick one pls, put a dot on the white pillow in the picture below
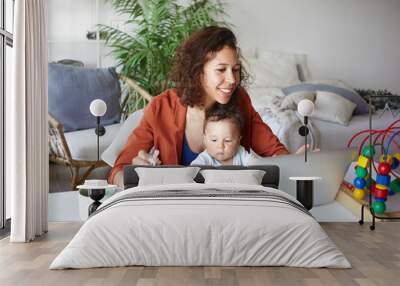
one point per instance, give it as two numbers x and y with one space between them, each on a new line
299 59
262 96
290 101
110 154
166 176
248 52
248 177
334 82
274 71
332 107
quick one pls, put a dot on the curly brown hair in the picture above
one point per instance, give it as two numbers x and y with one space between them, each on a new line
218 112
191 57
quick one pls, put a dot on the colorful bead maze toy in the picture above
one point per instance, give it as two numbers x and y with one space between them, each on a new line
387 182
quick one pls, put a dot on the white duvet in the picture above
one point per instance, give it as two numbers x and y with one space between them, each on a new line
207 230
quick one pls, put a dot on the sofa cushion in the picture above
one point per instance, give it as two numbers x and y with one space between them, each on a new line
83 143
121 137
72 89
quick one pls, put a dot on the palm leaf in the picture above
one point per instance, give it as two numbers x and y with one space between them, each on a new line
146 52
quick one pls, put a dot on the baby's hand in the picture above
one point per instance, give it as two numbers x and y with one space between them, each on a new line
144 158
302 149
154 157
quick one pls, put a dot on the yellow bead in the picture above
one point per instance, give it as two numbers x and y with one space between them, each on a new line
358 194
381 187
363 162
389 159
397 156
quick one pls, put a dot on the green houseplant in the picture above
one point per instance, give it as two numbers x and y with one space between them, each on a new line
156 29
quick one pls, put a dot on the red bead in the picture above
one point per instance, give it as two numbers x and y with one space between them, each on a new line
384 168
373 188
381 193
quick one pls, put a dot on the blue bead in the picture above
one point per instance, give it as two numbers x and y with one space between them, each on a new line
382 180
395 163
359 183
391 192
380 200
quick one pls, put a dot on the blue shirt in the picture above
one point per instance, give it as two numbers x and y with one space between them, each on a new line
187 155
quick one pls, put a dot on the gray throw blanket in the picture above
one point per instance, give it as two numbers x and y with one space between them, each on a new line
285 124
204 194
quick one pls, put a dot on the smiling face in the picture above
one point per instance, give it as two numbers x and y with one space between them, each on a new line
222 140
221 76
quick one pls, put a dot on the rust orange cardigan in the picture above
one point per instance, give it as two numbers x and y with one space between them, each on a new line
163 126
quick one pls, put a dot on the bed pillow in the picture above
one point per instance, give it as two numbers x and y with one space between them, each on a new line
270 179
163 176
349 94
303 72
248 177
291 101
262 96
331 107
273 71
72 89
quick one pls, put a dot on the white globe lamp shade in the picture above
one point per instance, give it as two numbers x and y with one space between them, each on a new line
98 107
305 107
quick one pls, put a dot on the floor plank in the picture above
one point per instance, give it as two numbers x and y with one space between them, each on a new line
375 257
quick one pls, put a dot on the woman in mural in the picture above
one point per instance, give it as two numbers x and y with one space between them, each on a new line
206 71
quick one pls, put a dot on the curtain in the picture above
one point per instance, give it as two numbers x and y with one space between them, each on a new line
26 123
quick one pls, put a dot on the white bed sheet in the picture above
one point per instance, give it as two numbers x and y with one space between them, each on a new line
335 136
207 231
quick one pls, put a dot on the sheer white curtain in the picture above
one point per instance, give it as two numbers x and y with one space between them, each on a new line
27 143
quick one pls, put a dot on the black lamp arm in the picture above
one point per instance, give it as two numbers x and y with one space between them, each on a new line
100 131
303 131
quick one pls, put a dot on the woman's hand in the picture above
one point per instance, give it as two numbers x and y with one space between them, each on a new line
144 158
119 179
302 149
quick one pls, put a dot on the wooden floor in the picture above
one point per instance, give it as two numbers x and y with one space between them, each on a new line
374 255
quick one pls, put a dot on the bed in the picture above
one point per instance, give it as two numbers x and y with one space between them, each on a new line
327 132
278 75
335 136
201 224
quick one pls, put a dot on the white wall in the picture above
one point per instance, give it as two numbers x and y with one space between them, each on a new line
354 40
69 21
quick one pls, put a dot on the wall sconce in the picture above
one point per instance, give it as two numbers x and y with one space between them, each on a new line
305 108
98 108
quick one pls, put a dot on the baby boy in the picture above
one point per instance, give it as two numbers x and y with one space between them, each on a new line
222 129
